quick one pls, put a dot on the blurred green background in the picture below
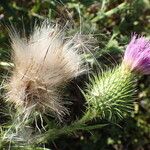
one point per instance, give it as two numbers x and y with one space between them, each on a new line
111 22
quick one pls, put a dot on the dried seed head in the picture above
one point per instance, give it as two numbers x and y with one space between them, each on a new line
44 63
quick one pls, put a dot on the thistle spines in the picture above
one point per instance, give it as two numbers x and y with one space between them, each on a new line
110 95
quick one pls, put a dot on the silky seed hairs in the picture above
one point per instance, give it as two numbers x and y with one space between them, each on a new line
44 62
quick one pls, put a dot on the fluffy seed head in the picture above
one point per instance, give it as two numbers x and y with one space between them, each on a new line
137 55
44 63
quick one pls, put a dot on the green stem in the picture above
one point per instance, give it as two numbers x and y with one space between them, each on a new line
88 116
6 64
54 133
111 12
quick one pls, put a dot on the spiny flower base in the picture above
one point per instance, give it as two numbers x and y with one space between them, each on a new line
110 95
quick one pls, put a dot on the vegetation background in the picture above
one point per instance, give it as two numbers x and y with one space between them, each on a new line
111 22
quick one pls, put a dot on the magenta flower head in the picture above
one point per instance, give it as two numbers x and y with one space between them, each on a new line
137 55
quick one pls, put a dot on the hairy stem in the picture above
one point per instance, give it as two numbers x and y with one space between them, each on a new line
54 133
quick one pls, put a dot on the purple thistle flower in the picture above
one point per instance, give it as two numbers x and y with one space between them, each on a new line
137 55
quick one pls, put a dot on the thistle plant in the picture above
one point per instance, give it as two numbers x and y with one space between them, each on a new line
110 95
36 84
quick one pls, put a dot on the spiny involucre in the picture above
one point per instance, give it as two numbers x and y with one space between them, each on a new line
44 63
111 94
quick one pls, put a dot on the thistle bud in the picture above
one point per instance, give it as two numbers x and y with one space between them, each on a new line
110 95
